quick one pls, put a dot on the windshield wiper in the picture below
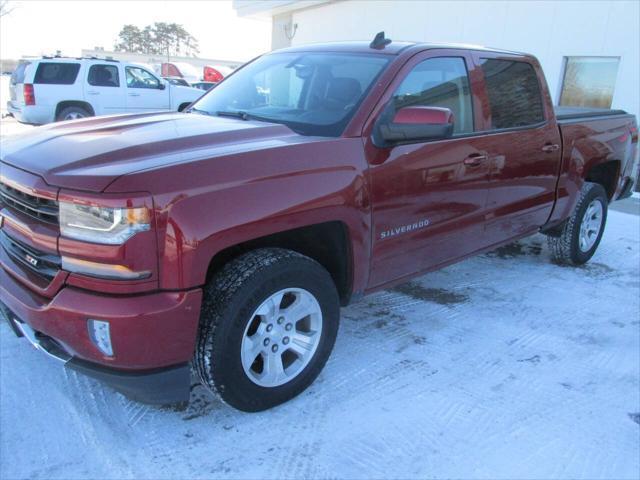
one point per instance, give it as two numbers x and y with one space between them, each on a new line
196 110
237 114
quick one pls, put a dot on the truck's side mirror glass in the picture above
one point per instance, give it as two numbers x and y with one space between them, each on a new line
416 124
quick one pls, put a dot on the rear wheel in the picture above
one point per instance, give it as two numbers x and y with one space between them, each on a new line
579 237
268 324
72 113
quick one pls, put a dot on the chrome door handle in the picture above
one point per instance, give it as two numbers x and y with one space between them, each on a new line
474 159
548 148
93 92
134 94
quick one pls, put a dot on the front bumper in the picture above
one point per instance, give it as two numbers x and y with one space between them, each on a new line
161 386
153 336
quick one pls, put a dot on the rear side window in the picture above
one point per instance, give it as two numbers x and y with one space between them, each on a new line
103 76
514 93
57 73
439 82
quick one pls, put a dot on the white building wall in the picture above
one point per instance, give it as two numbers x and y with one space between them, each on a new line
549 30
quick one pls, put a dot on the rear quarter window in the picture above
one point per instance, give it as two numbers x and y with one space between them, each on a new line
56 73
514 93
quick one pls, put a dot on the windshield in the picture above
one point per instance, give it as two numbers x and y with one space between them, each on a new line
312 93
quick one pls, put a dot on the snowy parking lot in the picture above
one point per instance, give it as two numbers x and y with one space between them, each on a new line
503 366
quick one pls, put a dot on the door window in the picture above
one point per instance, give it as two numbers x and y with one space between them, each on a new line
140 78
439 82
514 93
103 76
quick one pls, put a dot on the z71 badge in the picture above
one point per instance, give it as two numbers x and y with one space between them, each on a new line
392 232
31 260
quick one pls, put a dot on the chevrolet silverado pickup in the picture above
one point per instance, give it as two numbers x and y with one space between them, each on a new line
223 240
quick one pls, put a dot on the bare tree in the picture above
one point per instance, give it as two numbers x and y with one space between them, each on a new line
5 8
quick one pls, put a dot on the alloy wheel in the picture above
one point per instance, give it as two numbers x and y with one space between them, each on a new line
281 337
590 225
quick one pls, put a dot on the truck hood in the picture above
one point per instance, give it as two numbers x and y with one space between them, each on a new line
90 154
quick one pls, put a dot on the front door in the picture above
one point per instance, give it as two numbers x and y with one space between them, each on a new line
428 198
145 91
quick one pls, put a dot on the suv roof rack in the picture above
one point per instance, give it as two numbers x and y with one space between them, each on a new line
62 57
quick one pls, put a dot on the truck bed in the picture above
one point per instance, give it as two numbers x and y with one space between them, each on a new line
580 113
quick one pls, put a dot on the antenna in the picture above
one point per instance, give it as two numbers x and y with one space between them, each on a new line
379 41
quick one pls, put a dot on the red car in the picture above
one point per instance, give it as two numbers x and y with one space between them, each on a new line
215 74
227 237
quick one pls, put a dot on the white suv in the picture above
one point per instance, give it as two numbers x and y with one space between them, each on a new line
52 89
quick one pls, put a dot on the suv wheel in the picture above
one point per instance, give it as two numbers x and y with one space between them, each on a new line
580 235
268 324
72 113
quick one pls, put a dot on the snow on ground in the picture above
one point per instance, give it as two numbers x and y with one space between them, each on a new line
503 366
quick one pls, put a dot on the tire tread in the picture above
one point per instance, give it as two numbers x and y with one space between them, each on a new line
218 297
562 245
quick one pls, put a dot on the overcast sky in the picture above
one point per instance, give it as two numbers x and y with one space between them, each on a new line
38 27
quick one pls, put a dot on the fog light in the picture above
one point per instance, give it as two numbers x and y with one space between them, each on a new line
100 335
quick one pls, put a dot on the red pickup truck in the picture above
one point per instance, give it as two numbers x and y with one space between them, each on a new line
226 238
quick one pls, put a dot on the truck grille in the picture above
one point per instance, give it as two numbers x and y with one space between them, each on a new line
41 263
36 207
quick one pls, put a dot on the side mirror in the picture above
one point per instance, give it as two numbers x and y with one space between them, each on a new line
162 85
416 124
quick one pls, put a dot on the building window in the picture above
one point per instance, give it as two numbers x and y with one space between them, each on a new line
589 81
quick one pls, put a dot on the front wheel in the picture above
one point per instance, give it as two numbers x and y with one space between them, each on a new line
268 324
580 235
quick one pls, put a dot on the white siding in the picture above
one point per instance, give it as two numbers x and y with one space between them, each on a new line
549 30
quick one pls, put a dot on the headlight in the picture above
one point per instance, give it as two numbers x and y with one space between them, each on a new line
112 226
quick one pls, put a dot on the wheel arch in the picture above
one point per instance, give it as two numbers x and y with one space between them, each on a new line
605 173
74 103
328 243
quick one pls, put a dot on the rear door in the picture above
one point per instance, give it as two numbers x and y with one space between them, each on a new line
428 198
523 144
104 89
145 91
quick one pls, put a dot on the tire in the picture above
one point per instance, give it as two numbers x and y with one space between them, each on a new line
72 113
235 317
569 246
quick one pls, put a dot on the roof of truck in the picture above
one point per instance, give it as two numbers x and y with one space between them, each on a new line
393 48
